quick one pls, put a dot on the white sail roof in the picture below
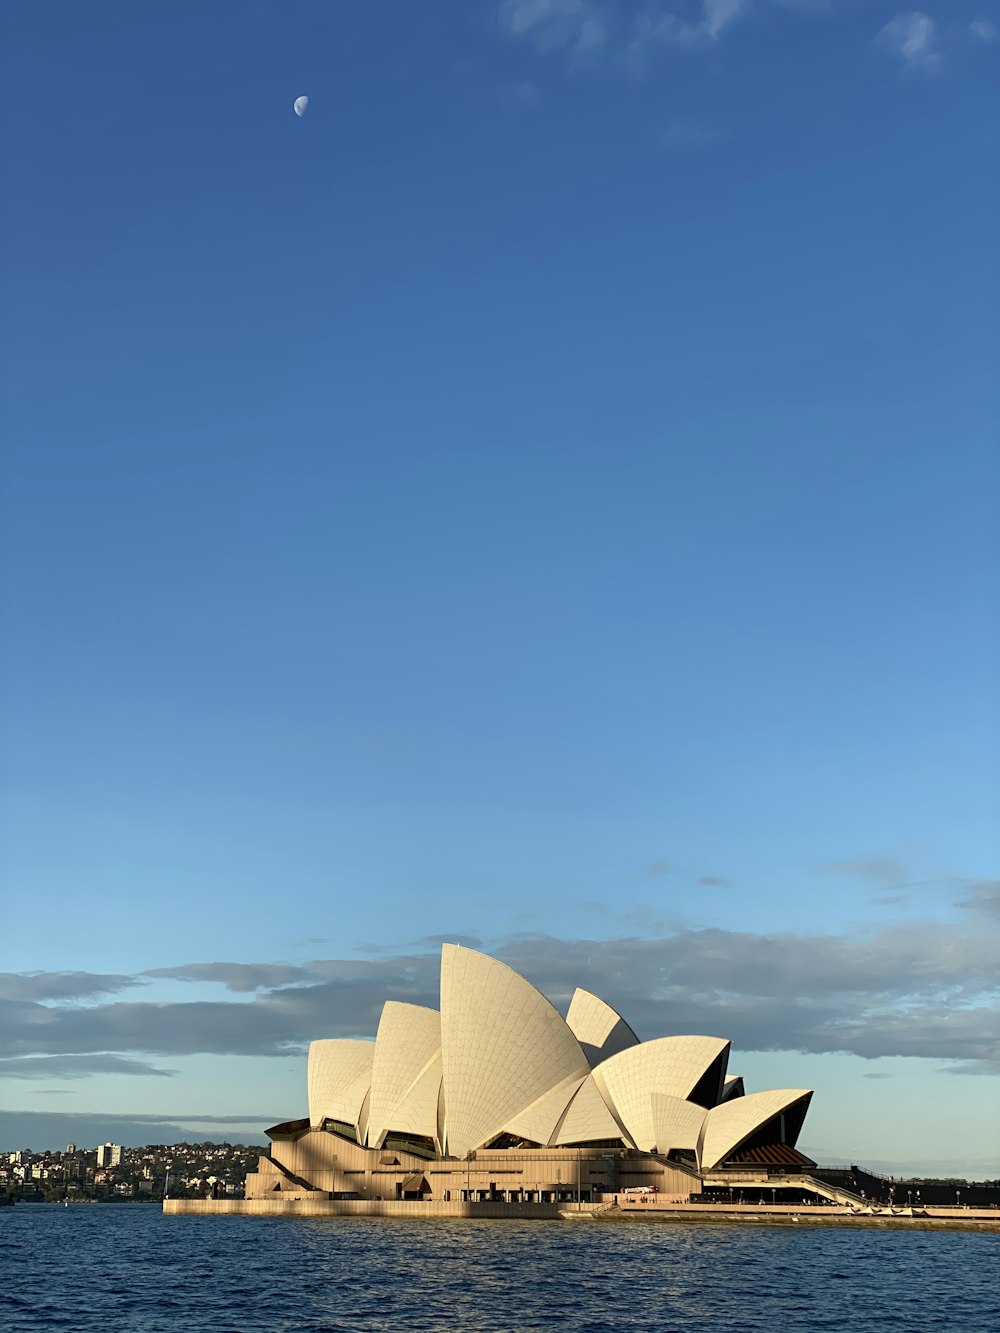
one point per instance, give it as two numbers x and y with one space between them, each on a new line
406 1073
676 1123
537 1122
340 1076
498 1059
670 1065
588 1119
731 1124
599 1029
503 1047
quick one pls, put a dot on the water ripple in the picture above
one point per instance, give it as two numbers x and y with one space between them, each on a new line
129 1269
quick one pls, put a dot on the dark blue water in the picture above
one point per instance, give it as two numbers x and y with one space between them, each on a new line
122 1268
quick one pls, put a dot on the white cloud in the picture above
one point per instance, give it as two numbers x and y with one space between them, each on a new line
577 26
912 37
719 14
57 986
985 898
77 1066
629 34
586 28
921 988
656 25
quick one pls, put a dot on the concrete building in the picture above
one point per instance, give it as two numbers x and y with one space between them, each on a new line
497 1098
109 1154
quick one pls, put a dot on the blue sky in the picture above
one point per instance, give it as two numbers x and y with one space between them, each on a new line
546 495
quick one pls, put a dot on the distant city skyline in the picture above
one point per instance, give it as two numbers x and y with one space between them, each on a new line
545 497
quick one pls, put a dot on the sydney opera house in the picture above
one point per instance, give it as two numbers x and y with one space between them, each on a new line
496 1097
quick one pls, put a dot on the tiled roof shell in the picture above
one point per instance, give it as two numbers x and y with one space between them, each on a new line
503 1047
340 1075
599 1029
727 1126
406 1073
670 1065
499 1060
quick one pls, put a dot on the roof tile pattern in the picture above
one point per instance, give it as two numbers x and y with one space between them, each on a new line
406 1073
733 1122
599 1029
588 1119
676 1123
669 1065
340 1074
503 1047
538 1121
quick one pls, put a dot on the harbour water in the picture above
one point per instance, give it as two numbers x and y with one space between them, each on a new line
130 1269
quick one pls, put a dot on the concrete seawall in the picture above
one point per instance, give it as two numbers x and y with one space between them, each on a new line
655 1211
356 1208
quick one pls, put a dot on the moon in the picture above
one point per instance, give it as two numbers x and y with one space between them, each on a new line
299 105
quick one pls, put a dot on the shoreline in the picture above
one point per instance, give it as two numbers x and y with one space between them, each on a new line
786 1215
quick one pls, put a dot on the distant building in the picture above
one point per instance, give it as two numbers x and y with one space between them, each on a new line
109 1154
70 1149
